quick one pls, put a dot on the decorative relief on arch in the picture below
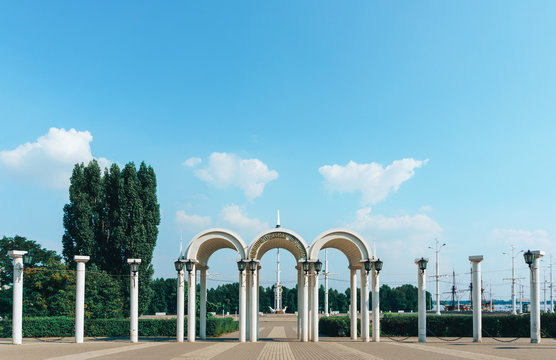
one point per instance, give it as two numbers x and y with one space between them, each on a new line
278 235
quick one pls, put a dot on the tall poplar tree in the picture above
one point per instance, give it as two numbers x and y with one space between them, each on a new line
113 217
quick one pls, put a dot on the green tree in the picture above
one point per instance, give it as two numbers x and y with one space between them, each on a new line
113 217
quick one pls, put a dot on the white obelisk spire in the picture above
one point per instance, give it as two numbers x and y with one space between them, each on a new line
278 220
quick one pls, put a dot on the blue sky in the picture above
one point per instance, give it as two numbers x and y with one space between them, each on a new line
457 98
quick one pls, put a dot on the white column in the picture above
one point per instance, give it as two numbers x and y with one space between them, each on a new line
80 297
254 308
242 307
248 304
180 306
365 323
421 302
203 305
315 306
299 302
305 305
535 298
310 301
191 294
353 301
134 303
257 303
476 297
551 288
376 305
17 306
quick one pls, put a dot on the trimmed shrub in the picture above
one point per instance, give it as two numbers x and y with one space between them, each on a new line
337 326
65 327
446 325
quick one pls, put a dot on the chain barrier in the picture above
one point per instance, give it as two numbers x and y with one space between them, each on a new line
547 335
443 339
47 340
500 340
397 340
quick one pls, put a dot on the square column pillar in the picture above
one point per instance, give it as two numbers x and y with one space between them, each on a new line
353 301
299 302
191 306
203 304
242 306
476 297
535 298
80 297
422 300
305 306
254 326
134 302
315 306
376 304
365 321
17 306
180 331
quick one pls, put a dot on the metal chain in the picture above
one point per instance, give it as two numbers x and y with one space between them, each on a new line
398 340
500 340
443 339
47 340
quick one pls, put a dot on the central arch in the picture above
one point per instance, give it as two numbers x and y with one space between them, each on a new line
296 245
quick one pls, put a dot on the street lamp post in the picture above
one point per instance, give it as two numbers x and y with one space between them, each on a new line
421 298
532 259
191 295
179 265
134 300
241 266
17 305
317 267
377 267
437 276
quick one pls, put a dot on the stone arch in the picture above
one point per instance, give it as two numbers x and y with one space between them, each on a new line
207 242
348 242
278 238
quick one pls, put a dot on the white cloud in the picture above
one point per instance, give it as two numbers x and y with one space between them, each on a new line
192 221
224 170
192 162
425 208
237 218
50 159
373 180
404 234
533 240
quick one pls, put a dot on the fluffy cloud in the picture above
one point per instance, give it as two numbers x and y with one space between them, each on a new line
403 234
534 240
237 218
51 158
192 221
225 170
373 180
192 162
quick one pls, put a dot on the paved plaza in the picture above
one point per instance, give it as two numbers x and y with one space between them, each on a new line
278 341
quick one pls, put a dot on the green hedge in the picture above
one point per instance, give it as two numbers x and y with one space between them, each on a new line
445 325
64 327
337 326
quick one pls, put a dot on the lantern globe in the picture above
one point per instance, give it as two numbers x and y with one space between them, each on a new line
529 257
422 264
134 267
241 265
179 264
318 266
368 265
28 258
305 266
253 266
189 264
378 265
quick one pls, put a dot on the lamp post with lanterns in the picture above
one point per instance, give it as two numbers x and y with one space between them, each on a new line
317 267
532 259
375 290
422 297
179 265
17 304
134 299
305 265
191 295
253 267
241 266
